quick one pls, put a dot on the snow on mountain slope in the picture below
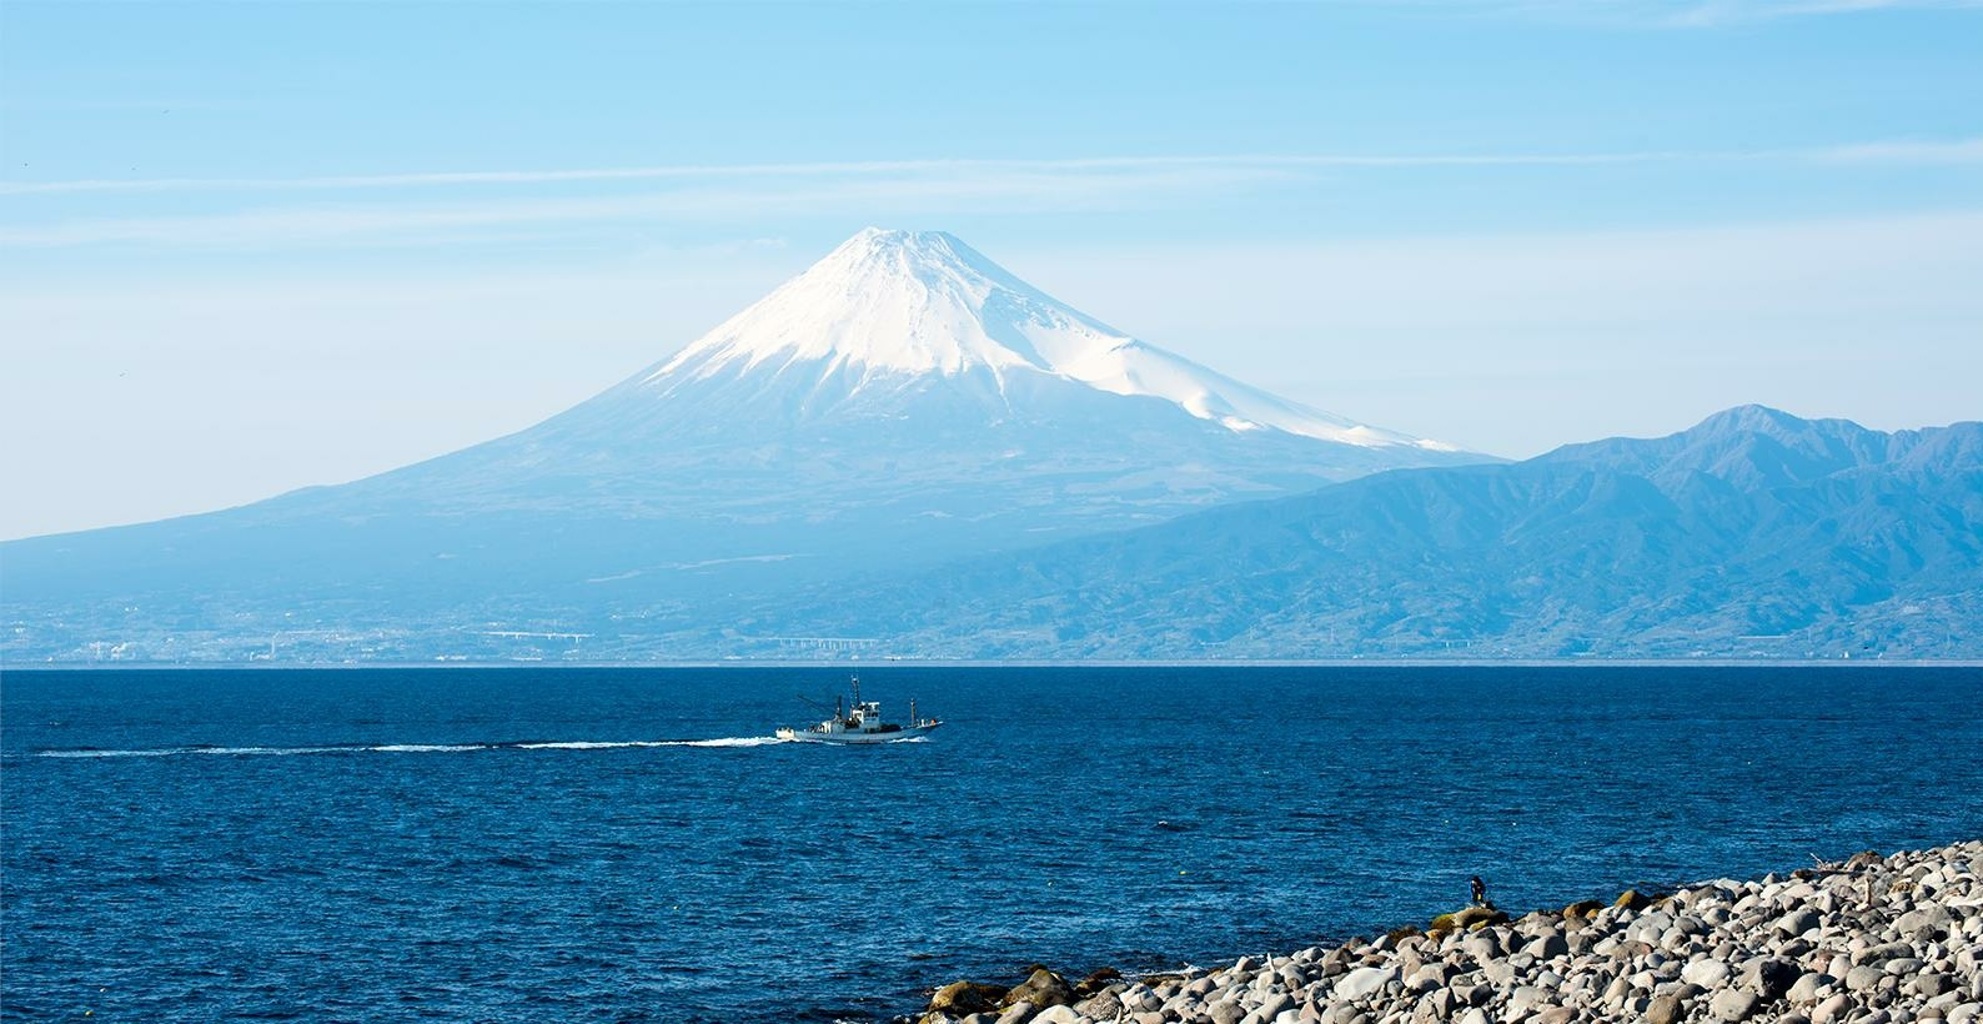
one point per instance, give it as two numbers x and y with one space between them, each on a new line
890 304
902 404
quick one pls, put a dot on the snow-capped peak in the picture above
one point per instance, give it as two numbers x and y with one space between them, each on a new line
911 302
888 303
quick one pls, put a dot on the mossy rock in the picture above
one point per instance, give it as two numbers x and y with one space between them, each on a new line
1476 918
965 997
1043 988
1096 982
1440 925
1632 899
1583 909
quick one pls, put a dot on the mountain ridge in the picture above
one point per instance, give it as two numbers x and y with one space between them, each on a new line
682 488
891 304
1620 548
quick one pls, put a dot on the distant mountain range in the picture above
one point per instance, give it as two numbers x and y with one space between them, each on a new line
903 403
1755 533
908 452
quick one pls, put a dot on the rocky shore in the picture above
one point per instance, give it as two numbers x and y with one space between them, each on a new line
1871 940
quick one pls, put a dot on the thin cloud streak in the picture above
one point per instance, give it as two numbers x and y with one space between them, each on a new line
698 193
1010 191
1680 14
1957 151
1967 151
856 168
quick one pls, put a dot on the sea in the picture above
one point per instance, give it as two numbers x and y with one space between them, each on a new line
567 844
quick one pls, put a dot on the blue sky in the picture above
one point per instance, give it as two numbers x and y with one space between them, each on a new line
249 247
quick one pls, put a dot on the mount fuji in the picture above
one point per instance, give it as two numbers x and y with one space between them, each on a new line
902 402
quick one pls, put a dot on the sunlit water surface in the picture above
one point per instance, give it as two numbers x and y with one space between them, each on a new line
563 844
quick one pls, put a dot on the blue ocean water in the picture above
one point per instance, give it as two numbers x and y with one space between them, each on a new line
566 844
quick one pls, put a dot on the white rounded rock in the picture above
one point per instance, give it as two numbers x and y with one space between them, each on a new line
1364 982
1708 973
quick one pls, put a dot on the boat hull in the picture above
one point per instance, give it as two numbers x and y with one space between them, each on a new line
853 738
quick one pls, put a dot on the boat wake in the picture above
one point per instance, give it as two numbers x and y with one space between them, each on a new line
409 748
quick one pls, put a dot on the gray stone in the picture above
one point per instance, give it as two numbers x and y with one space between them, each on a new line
1863 978
1733 1004
1138 998
1100 1006
1364 982
1431 976
1837 1008
1882 954
1473 1016
1904 965
1924 923
1482 946
1525 998
1226 1011
1018 1013
1804 991
1707 973
1547 946
1663 1010
1056 1015
1771 977
1439 1004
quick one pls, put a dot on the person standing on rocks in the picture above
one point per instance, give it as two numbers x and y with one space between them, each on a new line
1479 892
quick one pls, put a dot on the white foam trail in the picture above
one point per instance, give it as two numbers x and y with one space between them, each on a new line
590 745
271 751
417 748
110 753
727 741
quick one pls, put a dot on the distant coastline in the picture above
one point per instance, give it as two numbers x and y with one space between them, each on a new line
895 663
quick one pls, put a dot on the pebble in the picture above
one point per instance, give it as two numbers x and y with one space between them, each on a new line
1872 940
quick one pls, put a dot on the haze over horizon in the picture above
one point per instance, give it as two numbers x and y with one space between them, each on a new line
248 249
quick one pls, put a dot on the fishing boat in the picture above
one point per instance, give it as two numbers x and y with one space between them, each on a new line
861 723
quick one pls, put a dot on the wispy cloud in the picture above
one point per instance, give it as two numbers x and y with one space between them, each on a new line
979 171
856 169
1098 186
441 206
1682 14
1963 151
